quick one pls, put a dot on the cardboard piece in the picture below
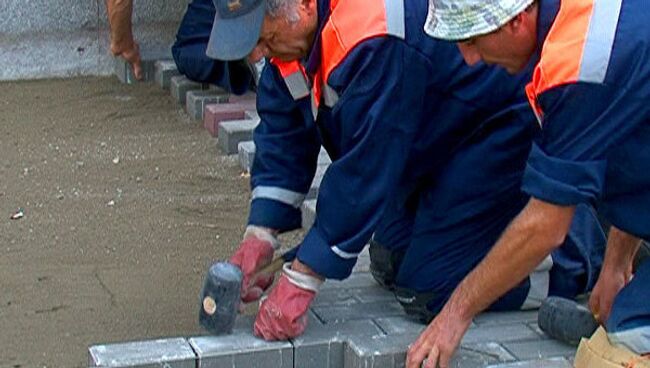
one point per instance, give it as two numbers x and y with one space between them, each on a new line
597 352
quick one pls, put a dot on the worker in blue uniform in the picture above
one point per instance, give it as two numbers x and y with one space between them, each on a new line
188 50
589 91
428 155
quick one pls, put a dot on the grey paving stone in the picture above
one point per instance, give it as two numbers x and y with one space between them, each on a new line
243 350
329 297
344 313
252 114
195 101
323 346
356 280
308 213
363 262
180 85
545 363
323 157
171 353
387 351
374 294
500 318
246 152
234 131
318 178
541 349
399 325
164 71
390 352
492 349
500 333
124 72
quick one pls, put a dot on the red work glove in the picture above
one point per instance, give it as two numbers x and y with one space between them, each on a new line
283 314
255 252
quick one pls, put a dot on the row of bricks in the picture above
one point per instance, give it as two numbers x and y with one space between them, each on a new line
372 333
204 102
212 105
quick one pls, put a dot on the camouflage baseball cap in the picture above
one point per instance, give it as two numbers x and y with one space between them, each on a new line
455 20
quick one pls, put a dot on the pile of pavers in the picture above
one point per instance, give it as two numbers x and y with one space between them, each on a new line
352 323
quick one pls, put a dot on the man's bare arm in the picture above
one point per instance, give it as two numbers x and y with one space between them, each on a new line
533 234
122 42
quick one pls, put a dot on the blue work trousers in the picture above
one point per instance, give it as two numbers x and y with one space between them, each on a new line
450 222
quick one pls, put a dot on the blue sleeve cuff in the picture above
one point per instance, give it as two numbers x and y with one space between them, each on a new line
319 256
274 215
563 182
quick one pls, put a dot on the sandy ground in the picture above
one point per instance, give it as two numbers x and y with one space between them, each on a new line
126 203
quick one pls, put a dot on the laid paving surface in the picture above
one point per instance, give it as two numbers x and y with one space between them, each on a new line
352 324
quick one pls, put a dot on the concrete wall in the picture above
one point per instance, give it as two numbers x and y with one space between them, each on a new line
61 38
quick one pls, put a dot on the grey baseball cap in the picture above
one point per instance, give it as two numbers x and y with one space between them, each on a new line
236 28
455 20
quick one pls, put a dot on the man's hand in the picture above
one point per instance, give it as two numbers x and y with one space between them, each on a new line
616 272
437 344
283 314
255 252
130 53
602 297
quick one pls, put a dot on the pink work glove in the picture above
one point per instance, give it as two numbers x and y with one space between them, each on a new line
283 314
255 252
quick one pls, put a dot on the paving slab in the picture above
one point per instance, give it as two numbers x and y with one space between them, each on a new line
181 85
234 110
544 363
234 131
164 70
246 152
243 350
308 209
324 347
501 333
356 311
124 72
355 323
318 178
540 349
500 318
196 101
169 353
492 349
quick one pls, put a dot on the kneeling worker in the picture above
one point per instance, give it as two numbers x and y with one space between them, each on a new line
589 91
428 155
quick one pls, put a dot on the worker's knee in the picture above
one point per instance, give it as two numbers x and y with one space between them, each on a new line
423 306
384 263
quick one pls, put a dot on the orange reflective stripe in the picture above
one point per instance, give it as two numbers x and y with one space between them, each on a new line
350 23
286 67
578 46
294 76
564 46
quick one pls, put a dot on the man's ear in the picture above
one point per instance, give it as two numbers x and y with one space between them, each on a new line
516 24
309 6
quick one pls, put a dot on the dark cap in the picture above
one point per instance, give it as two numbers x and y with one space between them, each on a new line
236 28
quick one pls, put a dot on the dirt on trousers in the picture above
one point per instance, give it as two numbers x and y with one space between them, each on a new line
126 202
